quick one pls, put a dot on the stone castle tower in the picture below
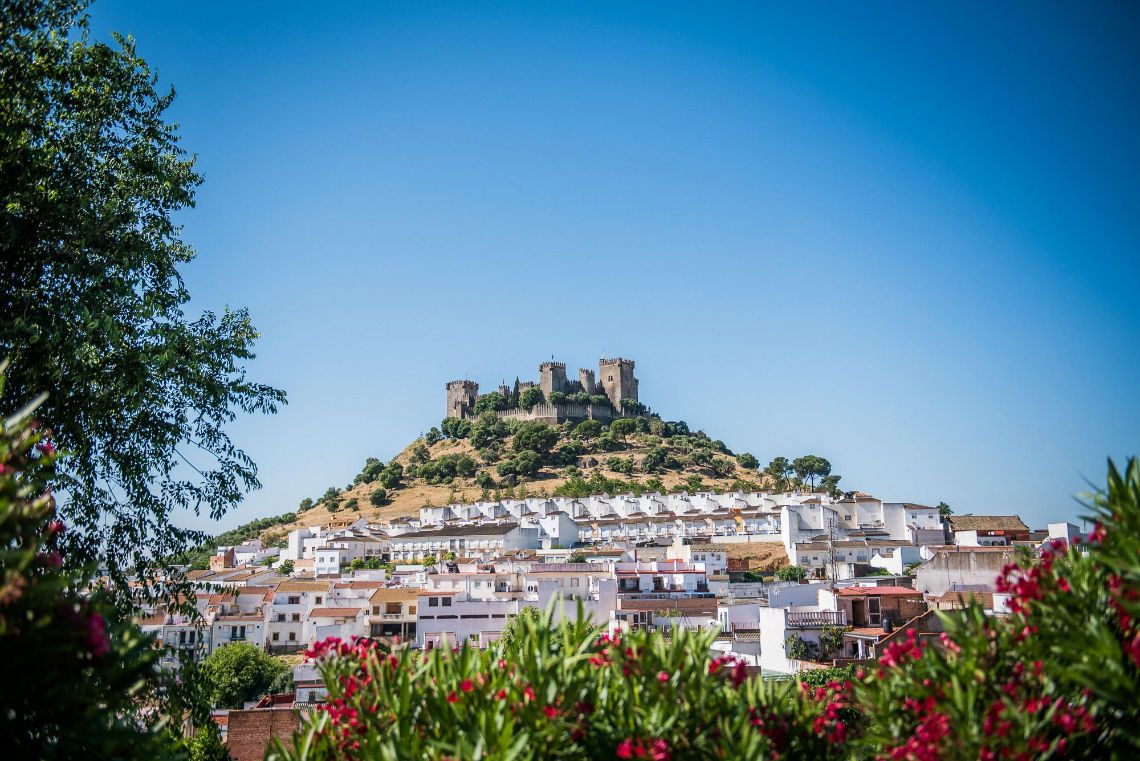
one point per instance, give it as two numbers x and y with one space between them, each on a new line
461 397
617 380
552 377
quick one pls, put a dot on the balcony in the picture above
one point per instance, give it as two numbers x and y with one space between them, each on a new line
392 617
815 619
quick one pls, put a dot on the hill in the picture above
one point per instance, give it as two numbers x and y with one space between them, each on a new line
493 458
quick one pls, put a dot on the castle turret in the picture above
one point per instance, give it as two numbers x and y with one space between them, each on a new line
586 378
461 398
617 379
552 377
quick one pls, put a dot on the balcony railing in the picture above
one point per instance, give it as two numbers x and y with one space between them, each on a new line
811 619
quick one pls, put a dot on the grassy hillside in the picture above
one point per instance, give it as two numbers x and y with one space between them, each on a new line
491 458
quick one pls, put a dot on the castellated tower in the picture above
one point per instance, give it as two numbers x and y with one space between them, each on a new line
586 378
552 377
616 379
461 397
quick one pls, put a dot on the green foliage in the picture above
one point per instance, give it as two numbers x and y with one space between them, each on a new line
351 504
455 428
484 480
75 675
830 484
631 407
831 641
370 472
561 691
780 471
588 429
944 510
811 468
446 467
529 397
620 464
432 436
694 483
490 402
392 476
286 568
524 463
487 430
791 573
206 745
238 672
748 461
797 648
722 466
378 497
374 564
558 398
623 427
535 436
306 504
654 485
568 453
420 453
94 185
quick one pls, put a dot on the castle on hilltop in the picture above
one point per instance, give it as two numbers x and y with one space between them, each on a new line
610 394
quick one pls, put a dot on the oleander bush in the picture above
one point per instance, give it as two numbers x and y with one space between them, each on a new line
1058 677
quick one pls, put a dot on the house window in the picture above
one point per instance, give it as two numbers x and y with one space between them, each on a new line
873 612
280 616
319 598
411 610
433 602
574 582
375 610
295 600
182 638
292 636
447 602
276 636
296 617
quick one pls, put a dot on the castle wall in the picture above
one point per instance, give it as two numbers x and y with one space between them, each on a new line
616 377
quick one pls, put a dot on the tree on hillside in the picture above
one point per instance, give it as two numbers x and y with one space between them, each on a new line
830 484
235 673
306 504
587 429
779 470
92 295
748 461
535 436
378 498
530 397
454 428
811 468
623 427
945 510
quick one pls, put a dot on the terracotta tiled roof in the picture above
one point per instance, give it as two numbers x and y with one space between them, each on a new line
359 585
987 523
334 612
300 585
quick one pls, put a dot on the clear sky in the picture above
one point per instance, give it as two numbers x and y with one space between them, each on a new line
902 236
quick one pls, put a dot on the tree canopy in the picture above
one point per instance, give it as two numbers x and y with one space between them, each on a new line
139 392
238 672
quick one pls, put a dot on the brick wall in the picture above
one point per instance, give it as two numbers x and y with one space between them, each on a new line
250 731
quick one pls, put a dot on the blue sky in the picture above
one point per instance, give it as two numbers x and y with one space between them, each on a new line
903 237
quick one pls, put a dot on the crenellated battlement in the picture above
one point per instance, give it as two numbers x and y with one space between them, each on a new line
615 379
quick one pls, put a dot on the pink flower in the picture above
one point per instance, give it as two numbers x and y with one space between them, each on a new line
452 697
467 685
663 676
550 711
625 749
97 635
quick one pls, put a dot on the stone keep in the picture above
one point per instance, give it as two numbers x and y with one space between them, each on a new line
616 379
461 398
